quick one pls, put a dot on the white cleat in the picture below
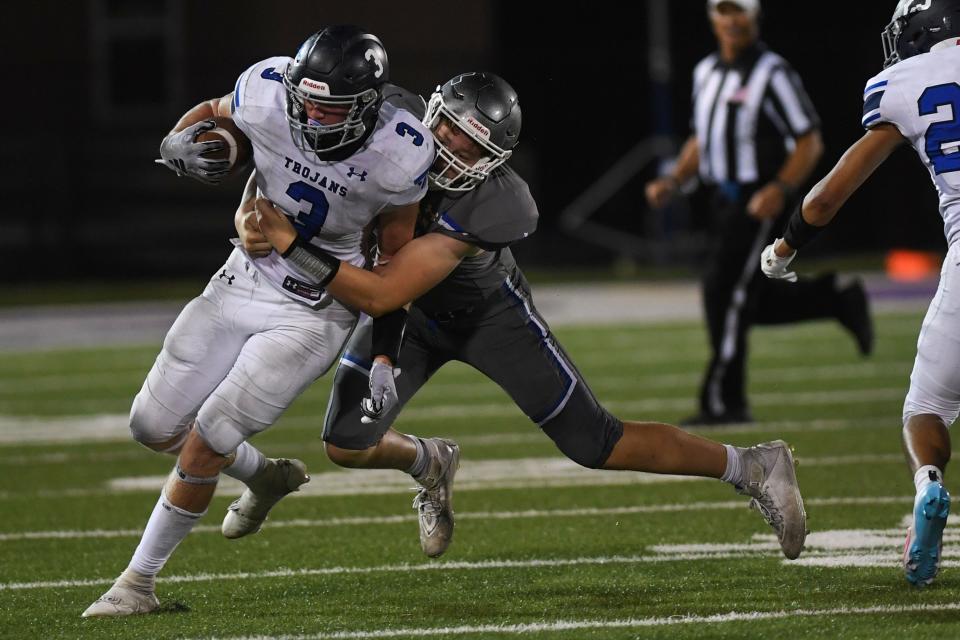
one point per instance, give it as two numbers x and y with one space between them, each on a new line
434 501
771 481
132 594
247 513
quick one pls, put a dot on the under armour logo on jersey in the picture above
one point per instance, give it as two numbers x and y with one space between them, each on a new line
223 274
353 172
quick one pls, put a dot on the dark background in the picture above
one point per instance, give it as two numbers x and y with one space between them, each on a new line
92 87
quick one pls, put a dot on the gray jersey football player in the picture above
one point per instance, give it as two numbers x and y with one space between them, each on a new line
471 303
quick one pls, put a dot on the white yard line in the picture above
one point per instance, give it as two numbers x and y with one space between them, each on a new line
628 623
481 565
95 428
817 542
473 515
388 568
474 475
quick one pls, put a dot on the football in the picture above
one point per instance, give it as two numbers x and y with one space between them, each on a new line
238 149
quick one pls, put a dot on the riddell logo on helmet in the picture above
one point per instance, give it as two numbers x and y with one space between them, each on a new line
312 86
481 130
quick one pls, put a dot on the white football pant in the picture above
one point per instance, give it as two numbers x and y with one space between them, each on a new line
235 359
935 380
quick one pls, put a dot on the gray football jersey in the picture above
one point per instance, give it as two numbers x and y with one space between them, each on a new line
494 215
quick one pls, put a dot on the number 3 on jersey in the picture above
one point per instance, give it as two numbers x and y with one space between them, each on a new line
308 224
942 138
403 129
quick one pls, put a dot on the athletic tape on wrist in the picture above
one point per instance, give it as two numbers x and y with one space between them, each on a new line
799 232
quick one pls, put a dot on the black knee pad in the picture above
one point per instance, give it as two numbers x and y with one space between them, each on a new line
584 431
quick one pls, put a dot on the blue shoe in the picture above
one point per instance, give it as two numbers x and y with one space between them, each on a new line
921 553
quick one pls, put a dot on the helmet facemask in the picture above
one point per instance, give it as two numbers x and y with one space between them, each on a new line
890 37
450 172
323 138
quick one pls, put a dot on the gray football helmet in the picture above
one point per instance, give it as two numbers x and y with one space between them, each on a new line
485 107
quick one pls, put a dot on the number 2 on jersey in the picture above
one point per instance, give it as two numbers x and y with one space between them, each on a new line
308 224
945 133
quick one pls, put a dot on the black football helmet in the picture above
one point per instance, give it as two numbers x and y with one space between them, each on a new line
340 66
485 107
917 25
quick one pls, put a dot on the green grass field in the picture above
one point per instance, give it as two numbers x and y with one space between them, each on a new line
542 549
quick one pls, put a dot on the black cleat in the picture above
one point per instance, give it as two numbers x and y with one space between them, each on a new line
854 314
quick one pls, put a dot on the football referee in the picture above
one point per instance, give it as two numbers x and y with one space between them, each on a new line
755 141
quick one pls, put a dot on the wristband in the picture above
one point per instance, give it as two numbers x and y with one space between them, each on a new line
388 334
311 260
799 232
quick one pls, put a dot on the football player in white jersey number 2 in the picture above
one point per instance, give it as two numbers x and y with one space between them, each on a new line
332 154
915 99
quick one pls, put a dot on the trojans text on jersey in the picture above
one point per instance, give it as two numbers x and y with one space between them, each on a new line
314 176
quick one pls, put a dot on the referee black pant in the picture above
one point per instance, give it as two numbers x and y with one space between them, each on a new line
736 295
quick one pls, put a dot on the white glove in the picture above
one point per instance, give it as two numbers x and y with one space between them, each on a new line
181 153
775 267
383 392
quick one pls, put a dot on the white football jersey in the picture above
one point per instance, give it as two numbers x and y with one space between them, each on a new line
921 97
331 202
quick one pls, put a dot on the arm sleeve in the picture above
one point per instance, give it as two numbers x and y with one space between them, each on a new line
388 332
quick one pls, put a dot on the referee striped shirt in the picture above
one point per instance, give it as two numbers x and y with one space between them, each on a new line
747 115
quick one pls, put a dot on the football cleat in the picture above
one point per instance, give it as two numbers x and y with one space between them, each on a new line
434 500
771 481
247 513
924 545
854 315
132 594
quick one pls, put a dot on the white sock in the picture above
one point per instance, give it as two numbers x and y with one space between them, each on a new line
419 465
247 464
167 526
922 478
734 471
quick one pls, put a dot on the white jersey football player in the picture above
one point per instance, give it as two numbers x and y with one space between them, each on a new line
332 154
916 99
